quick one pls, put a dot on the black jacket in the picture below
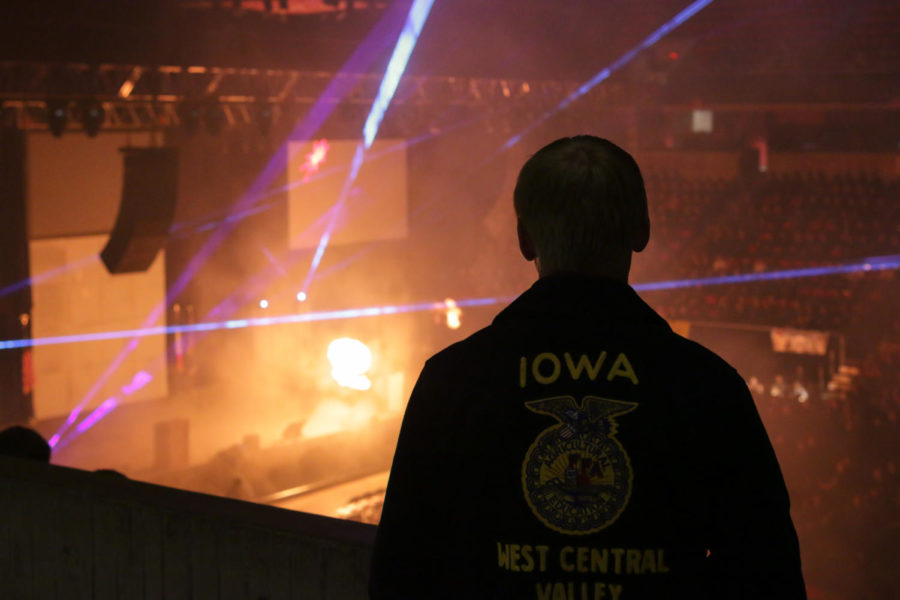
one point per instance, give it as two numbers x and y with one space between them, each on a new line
578 449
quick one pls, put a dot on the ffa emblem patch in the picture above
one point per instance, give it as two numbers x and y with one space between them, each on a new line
576 475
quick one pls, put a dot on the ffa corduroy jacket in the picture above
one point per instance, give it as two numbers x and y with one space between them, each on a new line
578 449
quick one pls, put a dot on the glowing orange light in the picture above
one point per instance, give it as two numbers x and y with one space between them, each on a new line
332 416
454 314
126 89
350 359
315 158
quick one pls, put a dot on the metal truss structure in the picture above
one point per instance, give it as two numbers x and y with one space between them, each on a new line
138 97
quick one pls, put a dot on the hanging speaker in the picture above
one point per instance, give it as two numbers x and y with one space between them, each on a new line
146 210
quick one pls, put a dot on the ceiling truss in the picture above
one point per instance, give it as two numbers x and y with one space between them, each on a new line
145 97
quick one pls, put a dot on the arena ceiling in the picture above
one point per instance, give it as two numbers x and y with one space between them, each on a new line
734 51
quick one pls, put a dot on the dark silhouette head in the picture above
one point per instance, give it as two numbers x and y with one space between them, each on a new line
581 208
21 442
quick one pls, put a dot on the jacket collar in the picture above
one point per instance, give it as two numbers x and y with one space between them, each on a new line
571 295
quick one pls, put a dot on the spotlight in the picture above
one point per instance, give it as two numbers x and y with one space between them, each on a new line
189 113
57 116
264 303
301 296
92 117
453 313
350 360
214 118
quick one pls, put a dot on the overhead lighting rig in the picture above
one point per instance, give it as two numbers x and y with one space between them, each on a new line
57 116
92 116
287 7
139 97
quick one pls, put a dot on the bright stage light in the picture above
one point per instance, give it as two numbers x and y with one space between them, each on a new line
350 360
190 114
264 303
301 296
454 314
315 158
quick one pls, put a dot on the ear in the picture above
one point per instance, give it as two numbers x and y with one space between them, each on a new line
641 236
526 246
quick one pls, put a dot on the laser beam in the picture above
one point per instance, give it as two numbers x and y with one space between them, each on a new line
418 13
620 62
337 89
49 274
881 263
142 378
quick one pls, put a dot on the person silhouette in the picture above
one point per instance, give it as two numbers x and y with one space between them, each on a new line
684 497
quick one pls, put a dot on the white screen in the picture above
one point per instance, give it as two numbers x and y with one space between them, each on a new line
375 207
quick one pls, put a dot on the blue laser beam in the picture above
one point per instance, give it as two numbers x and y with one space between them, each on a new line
691 10
406 42
58 442
335 212
872 264
338 88
880 263
49 274
418 13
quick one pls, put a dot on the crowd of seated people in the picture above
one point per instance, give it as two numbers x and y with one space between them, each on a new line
703 228
838 451
839 454
826 303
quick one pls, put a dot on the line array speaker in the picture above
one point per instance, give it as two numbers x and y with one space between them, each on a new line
149 191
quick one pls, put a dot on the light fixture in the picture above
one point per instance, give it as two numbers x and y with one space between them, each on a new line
57 116
92 117
350 361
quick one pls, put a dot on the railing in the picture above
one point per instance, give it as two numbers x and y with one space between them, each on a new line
72 534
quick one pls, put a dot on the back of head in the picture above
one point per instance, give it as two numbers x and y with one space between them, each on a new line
21 442
582 202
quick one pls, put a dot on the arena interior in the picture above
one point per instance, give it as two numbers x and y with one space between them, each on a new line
232 231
